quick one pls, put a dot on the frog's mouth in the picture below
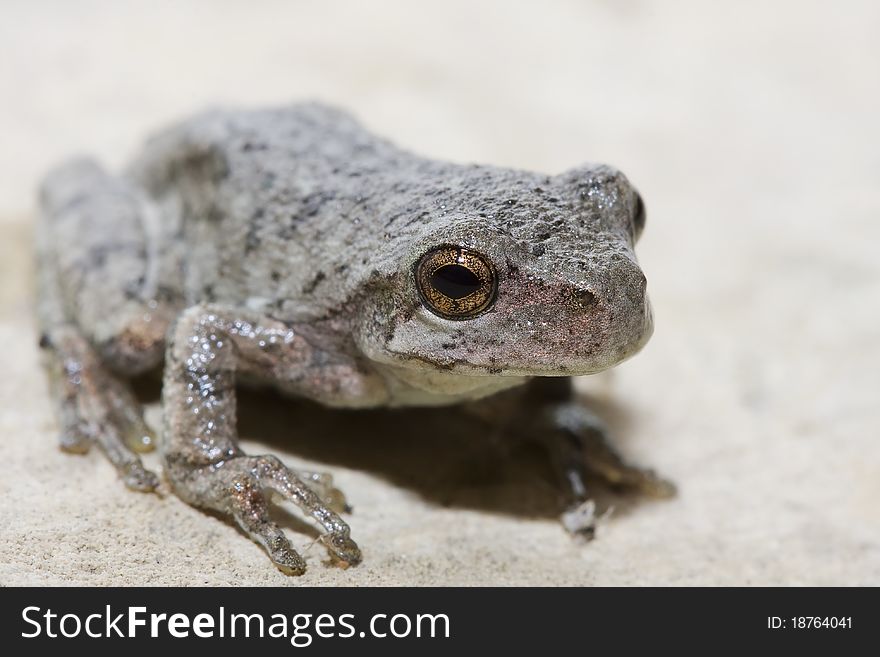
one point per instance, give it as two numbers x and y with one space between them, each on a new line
443 368
505 361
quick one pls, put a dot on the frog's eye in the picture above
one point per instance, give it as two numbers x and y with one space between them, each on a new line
455 283
638 216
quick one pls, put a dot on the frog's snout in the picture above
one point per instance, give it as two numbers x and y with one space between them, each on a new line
627 288
608 319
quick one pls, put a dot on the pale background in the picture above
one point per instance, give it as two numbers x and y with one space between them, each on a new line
752 130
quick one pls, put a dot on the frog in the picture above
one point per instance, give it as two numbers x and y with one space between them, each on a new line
291 247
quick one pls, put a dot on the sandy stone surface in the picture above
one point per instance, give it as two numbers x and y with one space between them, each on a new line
750 128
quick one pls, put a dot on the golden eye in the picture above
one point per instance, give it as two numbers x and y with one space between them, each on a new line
455 283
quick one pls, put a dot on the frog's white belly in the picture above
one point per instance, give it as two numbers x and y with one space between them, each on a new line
416 387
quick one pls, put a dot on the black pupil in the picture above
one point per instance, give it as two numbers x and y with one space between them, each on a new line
455 281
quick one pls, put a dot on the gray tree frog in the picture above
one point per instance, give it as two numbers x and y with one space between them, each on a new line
291 246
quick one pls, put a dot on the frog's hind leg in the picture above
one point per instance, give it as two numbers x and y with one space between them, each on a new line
95 407
549 413
94 314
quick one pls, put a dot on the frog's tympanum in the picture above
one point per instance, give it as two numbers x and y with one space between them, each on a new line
292 247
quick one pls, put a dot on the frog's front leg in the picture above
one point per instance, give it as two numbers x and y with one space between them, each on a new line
578 446
548 412
207 468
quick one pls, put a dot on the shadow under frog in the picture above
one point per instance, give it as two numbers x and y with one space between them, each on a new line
446 456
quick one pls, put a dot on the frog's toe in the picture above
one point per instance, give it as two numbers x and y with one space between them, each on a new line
127 415
112 435
243 497
581 520
134 432
644 481
322 484
138 478
623 476
285 557
344 550
74 438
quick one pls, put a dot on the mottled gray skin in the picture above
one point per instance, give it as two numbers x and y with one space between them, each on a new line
279 246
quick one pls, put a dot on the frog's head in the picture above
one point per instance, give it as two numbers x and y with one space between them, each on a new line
520 275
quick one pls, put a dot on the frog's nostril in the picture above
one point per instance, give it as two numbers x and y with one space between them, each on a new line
583 298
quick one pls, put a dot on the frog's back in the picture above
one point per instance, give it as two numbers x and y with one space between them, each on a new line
272 206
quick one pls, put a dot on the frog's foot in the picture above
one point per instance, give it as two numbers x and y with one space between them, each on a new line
239 486
94 407
577 443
